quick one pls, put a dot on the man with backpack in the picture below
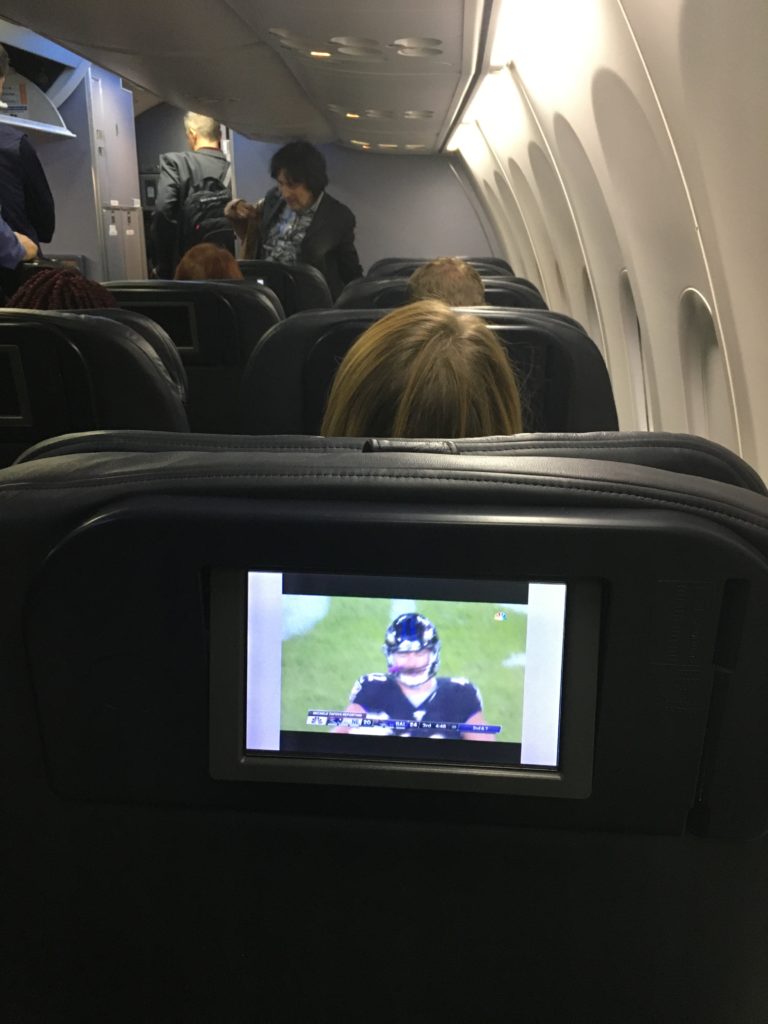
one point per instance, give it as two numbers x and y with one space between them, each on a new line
192 191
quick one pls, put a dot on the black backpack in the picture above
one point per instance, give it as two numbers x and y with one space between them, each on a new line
202 214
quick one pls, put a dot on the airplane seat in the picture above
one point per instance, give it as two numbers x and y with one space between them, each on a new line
63 372
404 266
214 325
512 291
645 885
89 442
224 237
386 293
157 338
564 384
298 286
677 453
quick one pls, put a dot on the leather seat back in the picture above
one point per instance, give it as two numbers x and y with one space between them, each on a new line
387 293
215 326
563 380
65 372
677 453
158 338
298 286
119 830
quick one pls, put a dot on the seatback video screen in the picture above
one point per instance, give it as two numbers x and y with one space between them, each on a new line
405 669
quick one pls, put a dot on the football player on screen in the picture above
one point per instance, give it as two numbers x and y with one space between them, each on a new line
411 690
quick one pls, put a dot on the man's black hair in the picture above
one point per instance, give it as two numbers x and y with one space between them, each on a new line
4 61
301 164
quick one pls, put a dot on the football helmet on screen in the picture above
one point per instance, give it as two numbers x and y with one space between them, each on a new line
409 633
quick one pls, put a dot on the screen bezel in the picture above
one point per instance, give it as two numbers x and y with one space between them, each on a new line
229 759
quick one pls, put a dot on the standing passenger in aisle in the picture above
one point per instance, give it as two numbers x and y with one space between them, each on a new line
202 170
301 223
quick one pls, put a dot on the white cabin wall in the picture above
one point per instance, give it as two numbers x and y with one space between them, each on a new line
600 131
503 211
404 206
522 181
708 63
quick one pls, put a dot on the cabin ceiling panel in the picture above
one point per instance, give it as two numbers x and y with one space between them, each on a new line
250 63
410 117
395 58
173 26
234 98
438 25
427 94
196 55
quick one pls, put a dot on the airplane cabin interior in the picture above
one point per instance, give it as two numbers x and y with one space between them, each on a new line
246 666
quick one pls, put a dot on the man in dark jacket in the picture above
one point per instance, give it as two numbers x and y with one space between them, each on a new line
301 223
179 172
26 202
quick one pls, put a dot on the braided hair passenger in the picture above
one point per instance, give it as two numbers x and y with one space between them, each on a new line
64 288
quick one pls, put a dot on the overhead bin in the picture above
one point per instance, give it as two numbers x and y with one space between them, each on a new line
27 107
40 79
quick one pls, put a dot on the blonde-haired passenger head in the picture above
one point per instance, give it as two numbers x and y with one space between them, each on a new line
424 371
449 279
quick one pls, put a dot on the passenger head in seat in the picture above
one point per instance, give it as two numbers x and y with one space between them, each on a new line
424 371
208 262
61 289
448 279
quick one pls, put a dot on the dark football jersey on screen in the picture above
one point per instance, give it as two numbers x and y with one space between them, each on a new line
452 700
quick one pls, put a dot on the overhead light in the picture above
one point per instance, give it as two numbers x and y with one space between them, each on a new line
415 145
387 145
359 142
320 53
350 115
